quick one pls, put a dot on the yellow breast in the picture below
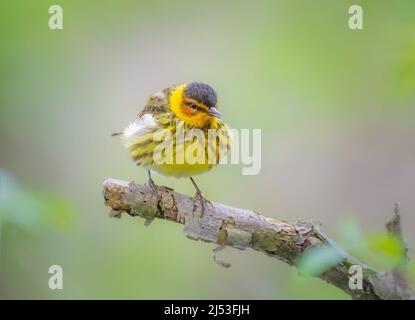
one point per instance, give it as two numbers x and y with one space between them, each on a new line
181 170
176 157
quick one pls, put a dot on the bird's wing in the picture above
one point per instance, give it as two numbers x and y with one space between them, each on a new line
148 119
157 103
142 125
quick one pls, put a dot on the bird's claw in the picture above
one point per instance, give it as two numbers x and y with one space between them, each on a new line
198 197
156 189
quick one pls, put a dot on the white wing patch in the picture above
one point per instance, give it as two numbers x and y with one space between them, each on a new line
140 126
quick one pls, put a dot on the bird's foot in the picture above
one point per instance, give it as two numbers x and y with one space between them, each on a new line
198 197
157 190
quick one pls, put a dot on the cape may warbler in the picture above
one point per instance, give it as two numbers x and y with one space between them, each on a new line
179 133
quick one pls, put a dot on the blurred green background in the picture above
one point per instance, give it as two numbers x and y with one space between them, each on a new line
336 108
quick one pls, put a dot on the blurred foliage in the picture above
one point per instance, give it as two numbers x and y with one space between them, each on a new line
380 250
387 249
405 71
33 210
316 260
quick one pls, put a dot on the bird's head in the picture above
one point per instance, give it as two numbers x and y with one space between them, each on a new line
195 104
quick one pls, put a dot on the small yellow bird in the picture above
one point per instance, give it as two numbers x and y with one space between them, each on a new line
181 109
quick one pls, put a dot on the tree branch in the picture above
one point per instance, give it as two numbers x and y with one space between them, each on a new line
242 228
397 277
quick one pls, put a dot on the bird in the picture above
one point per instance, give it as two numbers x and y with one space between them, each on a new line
184 108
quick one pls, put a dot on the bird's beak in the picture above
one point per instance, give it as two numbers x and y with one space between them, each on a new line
214 112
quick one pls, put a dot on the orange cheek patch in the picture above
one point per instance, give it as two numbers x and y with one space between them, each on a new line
188 111
195 117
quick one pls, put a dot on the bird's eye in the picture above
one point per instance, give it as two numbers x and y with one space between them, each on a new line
194 106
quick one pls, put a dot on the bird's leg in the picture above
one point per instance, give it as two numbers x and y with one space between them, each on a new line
199 197
156 191
152 185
